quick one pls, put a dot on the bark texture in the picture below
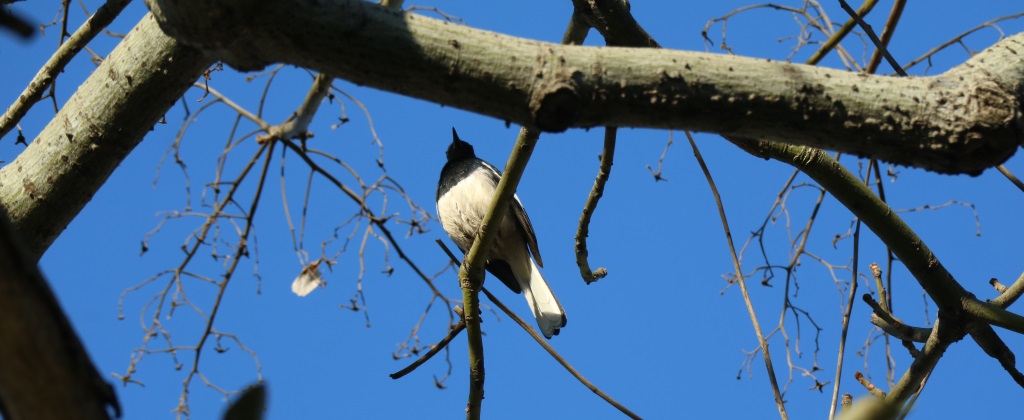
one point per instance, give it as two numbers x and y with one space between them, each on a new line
60 171
962 121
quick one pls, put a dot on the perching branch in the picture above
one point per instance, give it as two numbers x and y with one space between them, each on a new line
962 121
471 274
547 347
561 360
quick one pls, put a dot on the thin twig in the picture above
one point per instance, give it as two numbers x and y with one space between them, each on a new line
376 220
241 251
846 324
540 340
739 278
834 40
887 31
1010 176
876 58
870 387
1011 294
874 38
55 64
434 350
959 39
661 160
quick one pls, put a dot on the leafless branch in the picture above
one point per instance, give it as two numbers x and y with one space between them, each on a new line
47 74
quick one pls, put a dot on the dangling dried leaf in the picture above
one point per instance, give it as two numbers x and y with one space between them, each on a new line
308 280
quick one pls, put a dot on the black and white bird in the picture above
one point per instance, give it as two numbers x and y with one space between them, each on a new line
464 193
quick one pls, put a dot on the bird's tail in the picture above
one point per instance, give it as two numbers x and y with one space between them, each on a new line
549 313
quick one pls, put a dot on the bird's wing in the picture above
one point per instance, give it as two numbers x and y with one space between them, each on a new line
521 219
501 270
523 223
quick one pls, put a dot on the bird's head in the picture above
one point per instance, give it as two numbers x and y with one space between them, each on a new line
459 149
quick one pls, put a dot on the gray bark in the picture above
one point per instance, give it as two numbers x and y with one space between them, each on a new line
963 121
60 171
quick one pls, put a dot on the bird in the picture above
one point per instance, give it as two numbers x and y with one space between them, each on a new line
464 193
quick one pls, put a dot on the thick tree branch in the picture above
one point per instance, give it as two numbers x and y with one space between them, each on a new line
58 173
935 346
45 372
963 121
989 341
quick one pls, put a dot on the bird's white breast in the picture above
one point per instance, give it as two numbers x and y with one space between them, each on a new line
463 207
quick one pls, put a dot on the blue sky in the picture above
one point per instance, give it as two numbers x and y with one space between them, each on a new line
662 333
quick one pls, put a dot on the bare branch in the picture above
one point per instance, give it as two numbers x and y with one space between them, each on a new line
739 278
471 274
48 73
995 347
887 31
52 179
846 323
870 387
583 231
435 349
1011 177
1011 294
874 38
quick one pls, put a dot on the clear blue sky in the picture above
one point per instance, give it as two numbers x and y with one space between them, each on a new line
656 334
